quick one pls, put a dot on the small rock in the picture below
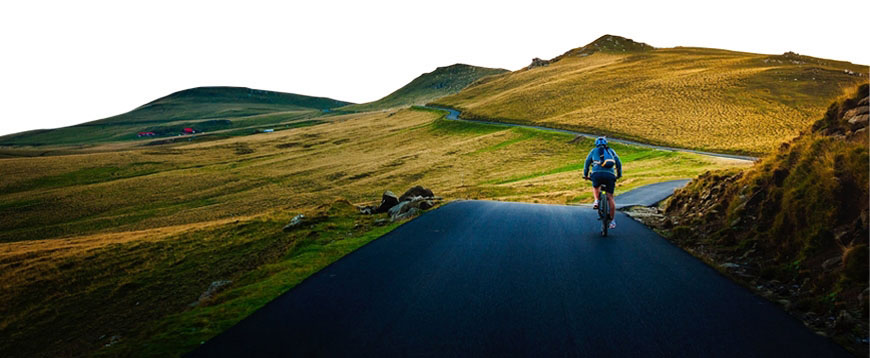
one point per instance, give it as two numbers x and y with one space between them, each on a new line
409 208
213 289
425 204
844 320
831 263
113 341
864 294
859 121
296 222
407 214
537 62
416 191
381 222
395 210
785 303
388 200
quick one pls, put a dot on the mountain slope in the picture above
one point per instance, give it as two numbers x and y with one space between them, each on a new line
429 86
799 217
201 108
707 99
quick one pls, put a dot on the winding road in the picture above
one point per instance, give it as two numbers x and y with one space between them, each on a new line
453 115
486 278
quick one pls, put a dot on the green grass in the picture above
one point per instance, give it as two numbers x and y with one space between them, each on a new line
86 176
448 127
332 239
568 168
506 143
204 109
114 244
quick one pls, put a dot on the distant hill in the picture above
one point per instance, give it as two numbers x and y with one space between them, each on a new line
201 108
429 86
708 99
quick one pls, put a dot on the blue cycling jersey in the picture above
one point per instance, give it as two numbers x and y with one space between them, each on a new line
592 163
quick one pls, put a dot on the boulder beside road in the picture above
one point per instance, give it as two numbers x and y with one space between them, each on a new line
415 192
411 207
388 200
414 201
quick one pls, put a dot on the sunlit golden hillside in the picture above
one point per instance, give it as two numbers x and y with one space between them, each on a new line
698 98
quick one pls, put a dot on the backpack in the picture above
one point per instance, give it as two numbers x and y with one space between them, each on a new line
605 157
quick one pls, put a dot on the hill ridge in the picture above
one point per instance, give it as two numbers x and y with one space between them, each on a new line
206 108
257 94
696 98
609 43
605 43
429 86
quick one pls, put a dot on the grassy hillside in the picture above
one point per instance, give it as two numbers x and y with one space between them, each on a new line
112 248
795 223
707 99
429 86
204 108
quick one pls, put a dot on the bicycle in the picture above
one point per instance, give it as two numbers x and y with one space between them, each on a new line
603 209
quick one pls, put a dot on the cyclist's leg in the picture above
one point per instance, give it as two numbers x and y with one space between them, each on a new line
596 189
611 184
612 205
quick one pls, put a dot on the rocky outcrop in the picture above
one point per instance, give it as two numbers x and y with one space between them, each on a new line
848 118
213 289
411 207
415 192
537 62
388 200
794 227
606 43
296 222
413 202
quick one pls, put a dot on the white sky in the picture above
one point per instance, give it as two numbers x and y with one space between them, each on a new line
67 62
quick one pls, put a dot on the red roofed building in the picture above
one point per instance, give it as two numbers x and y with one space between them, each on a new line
189 131
145 134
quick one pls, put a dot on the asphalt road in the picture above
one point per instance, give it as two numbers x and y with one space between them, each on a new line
650 194
485 278
454 116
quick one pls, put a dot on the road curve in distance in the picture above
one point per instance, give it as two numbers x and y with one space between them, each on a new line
454 115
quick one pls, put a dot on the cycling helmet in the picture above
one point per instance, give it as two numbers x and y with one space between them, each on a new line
600 141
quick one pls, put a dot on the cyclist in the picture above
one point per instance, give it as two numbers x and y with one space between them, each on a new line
606 169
